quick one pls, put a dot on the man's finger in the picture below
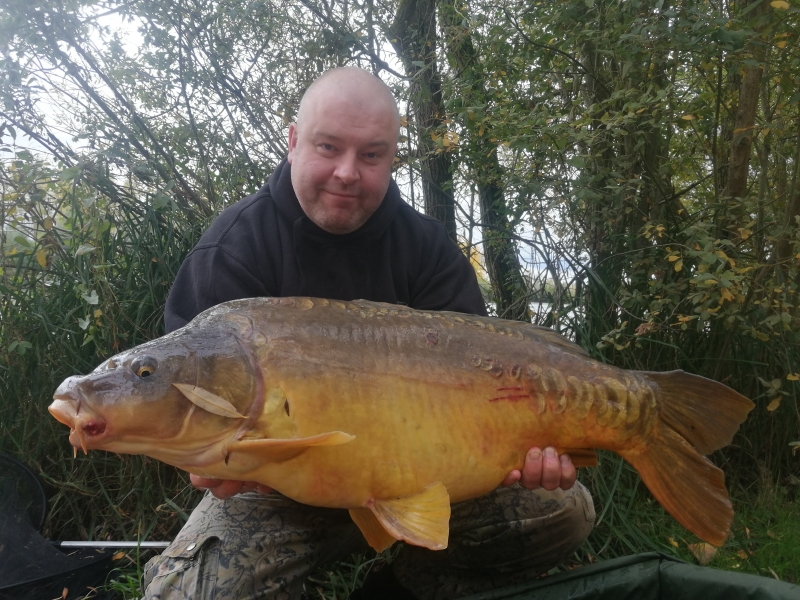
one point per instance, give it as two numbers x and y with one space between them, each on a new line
220 488
532 470
511 478
203 483
569 474
551 469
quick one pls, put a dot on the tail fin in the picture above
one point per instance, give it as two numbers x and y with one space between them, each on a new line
704 412
697 416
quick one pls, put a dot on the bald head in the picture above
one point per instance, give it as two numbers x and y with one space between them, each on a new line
341 148
349 84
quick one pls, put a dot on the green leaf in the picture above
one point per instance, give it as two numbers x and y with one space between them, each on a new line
23 241
69 174
84 249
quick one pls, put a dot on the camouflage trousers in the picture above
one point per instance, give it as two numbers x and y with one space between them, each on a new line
254 546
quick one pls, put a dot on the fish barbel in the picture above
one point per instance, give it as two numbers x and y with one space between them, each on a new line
394 413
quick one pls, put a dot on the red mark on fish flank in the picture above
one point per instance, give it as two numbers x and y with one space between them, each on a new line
512 389
512 398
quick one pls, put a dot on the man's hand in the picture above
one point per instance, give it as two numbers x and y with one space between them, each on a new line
225 488
544 469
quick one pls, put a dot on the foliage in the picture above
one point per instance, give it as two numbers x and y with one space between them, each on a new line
82 278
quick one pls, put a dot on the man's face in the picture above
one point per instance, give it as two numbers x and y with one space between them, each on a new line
341 154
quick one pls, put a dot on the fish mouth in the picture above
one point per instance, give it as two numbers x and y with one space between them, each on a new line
87 428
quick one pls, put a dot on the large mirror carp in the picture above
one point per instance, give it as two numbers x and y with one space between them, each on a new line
394 413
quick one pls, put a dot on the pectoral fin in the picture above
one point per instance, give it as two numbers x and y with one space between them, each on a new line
209 401
581 457
279 450
377 537
422 519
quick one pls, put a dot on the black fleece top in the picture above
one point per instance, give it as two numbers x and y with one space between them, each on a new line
265 245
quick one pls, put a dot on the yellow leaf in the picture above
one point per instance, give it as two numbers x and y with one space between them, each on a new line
742 554
98 313
403 122
118 556
688 117
673 542
450 139
673 258
745 233
48 223
678 266
781 44
779 4
41 257
703 552
793 377
773 406
726 295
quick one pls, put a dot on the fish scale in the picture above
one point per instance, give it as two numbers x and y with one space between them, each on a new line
393 413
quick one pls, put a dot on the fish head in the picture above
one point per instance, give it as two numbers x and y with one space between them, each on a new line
176 398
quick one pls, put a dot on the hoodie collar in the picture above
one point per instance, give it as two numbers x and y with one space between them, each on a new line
282 192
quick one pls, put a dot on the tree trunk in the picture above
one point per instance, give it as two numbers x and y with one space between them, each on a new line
502 264
747 107
413 35
791 217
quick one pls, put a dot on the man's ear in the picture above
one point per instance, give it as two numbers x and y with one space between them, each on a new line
292 141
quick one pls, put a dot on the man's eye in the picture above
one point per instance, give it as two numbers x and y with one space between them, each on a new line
326 147
372 155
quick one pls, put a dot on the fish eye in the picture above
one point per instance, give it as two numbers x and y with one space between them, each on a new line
144 366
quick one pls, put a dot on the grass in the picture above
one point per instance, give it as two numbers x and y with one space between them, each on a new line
765 534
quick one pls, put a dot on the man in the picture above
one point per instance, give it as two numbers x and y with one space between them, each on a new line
331 223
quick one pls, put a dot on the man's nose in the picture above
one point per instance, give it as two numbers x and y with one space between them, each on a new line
347 169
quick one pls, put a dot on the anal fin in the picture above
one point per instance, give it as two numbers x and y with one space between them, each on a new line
421 519
280 450
581 457
377 537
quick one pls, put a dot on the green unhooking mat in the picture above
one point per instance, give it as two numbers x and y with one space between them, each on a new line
650 576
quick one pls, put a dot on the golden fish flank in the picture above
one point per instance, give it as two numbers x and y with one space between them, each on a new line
394 413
